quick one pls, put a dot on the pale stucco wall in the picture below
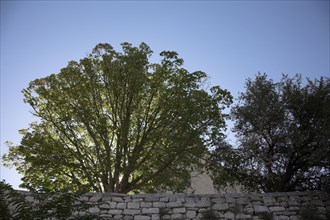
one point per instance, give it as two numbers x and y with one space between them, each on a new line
201 183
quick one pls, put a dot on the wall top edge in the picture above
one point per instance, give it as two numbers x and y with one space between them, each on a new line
234 195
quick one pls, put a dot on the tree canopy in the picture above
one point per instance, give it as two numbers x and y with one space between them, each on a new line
283 131
115 122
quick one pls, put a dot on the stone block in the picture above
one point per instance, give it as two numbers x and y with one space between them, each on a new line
260 209
269 200
112 205
283 217
155 217
96 198
176 216
106 198
84 199
317 203
180 199
118 217
238 195
131 211
295 217
104 206
293 203
105 216
128 217
179 210
150 210
293 208
172 199
275 217
204 202
104 211
94 210
243 201
248 209
166 216
127 200
190 203
146 204
242 216
151 199
117 199
230 199
284 204
295 198
164 199
306 198
229 215
121 205
220 206
158 204
82 213
137 200
236 208
133 205
282 199
276 209
115 212
173 205
255 198
218 200
142 217
286 213
191 214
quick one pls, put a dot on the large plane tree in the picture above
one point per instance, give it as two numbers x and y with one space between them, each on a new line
114 122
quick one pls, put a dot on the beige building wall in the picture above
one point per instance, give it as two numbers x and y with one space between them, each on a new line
201 183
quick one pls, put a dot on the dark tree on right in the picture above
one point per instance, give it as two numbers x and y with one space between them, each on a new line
283 131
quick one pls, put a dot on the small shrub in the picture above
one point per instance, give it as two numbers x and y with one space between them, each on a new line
266 216
237 208
309 213
10 198
50 205
163 212
209 215
4 206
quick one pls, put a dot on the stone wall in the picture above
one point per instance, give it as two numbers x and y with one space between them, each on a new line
277 206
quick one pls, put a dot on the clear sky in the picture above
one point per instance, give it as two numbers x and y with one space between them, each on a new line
229 40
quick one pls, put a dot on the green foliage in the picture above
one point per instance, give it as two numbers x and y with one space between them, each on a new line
283 131
163 212
4 197
308 213
312 213
209 215
11 198
57 205
266 216
115 122
226 167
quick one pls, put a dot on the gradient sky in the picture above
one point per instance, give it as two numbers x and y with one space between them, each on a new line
229 40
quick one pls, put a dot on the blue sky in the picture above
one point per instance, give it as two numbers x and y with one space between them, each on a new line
229 40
